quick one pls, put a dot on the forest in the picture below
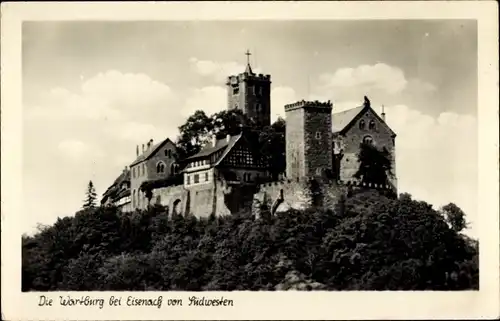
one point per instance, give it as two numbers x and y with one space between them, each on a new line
367 242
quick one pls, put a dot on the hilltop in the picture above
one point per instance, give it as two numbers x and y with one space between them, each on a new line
366 242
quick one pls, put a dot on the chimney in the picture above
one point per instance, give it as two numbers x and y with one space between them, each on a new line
228 137
383 113
137 150
143 150
214 140
125 169
151 142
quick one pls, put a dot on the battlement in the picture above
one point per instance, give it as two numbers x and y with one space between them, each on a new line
309 104
233 80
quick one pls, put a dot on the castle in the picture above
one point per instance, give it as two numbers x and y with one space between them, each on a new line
226 177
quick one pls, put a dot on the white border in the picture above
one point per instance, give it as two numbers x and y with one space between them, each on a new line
259 305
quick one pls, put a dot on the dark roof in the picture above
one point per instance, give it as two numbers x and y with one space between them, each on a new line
221 144
123 177
150 152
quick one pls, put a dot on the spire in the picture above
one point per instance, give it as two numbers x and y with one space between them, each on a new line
248 69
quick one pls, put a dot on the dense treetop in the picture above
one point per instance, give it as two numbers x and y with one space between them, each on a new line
368 242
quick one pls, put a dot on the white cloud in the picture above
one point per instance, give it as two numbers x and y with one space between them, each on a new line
210 99
281 96
366 77
436 158
219 71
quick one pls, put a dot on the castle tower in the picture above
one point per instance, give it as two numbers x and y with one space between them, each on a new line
308 138
250 93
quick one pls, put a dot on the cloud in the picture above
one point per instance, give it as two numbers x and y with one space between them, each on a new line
280 96
210 99
366 77
91 133
436 158
218 71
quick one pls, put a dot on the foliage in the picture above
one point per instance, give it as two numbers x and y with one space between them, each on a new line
367 242
454 216
199 129
374 164
90 196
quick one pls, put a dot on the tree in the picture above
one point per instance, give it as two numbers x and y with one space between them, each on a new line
454 216
272 142
374 164
90 196
199 129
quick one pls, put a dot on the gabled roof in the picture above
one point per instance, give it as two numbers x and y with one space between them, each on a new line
342 121
221 144
150 152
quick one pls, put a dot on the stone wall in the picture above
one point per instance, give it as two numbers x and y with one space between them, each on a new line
295 143
317 141
173 197
382 137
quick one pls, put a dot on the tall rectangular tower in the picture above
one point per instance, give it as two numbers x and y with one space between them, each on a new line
308 138
251 93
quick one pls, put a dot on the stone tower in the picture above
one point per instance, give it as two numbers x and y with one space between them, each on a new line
308 138
251 93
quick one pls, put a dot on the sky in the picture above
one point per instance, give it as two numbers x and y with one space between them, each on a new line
92 91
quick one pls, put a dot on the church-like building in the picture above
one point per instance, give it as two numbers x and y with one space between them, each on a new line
226 176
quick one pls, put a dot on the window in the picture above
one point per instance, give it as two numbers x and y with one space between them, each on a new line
134 199
236 90
143 169
368 140
371 125
318 135
196 178
139 196
160 167
258 108
188 180
173 168
133 172
362 124
206 177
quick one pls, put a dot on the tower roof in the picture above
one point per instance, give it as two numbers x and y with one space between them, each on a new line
249 69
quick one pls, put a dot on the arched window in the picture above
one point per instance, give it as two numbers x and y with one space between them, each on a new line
174 168
160 167
368 140
371 125
362 124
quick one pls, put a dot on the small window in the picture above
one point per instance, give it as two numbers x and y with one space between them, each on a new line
318 135
206 177
258 108
368 140
371 125
362 124
188 180
196 178
144 169
236 90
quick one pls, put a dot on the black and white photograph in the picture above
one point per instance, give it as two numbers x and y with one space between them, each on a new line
218 156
